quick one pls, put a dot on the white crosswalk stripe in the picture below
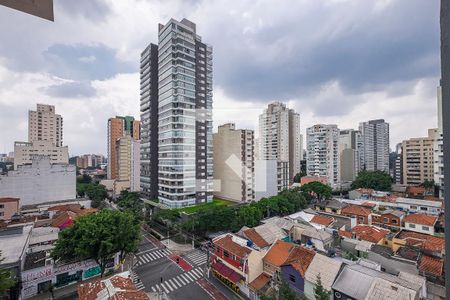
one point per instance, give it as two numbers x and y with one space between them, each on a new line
137 282
197 257
179 281
148 257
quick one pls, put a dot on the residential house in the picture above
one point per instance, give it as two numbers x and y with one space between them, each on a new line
294 268
276 257
432 268
324 267
252 235
388 218
261 286
357 282
330 206
428 244
360 193
317 238
362 215
367 233
430 207
321 222
8 207
405 260
420 223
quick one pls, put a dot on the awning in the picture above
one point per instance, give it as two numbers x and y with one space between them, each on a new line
226 272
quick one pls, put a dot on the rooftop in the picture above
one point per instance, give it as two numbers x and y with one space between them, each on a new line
13 243
370 233
421 219
322 220
431 265
8 199
300 258
254 236
356 210
260 281
278 253
226 242
411 201
422 241
324 266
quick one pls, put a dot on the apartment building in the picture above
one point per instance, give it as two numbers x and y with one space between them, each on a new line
418 159
375 135
439 148
45 125
322 152
351 154
234 163
279 136
271 177
128 162
119 127
23 152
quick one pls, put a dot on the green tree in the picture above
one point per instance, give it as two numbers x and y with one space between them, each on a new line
97 193
428 185
320 190
286 293
99 236
131 202
6 280
299 176
320 293
377 180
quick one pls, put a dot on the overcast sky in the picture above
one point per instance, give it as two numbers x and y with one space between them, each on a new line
333 61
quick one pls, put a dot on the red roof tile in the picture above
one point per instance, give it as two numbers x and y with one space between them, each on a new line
420 219
431 265
278 253
343 233
322 220
260 282
368 204
254 236
75 207
300 258
369 233
227 243
421 240
356 210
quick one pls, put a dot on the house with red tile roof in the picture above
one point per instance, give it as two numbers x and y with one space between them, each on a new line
367 233
362 214
432 268
322 221
388 218
428 244
294 268
252 235
420 223
276 257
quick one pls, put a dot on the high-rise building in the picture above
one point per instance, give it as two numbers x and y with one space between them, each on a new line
375 134
439 148
45 125
351 154
397 174
149 122
234 163
418 159
271 177
128 162
117 128
279 136
185 156
322 153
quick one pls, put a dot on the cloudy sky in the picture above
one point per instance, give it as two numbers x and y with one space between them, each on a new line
333 61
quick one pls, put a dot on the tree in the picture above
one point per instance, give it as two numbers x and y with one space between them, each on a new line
322 191
97 193
85 178
428 185
320 293
286 293
377 180
131 202
99 236
6 280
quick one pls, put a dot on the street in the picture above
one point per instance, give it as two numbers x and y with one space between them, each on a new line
157 269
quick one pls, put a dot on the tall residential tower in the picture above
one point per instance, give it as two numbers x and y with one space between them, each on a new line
45 125
375 134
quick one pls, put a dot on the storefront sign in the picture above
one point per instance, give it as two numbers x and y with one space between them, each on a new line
37 274
92 272
77 266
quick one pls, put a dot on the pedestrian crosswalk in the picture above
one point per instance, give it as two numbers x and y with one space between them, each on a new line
137 281
196 257
147 257
179 281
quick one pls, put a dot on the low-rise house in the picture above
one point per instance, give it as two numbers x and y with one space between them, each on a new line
321 222
324 267
252 235
405 260
317 238
362 215
420 223
368 233
428 244
420 206
357 282
388 218
119 286
360 193
8 207
276 257
330 206
260 286
294 268
432 268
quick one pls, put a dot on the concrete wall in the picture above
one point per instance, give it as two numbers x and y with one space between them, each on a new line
419 228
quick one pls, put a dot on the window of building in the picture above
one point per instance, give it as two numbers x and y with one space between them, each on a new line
386 220
2 214
226 254
412 226
2 205
292 278
425 228
423 208
394 221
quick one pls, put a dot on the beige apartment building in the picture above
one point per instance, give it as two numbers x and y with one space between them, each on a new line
128 162
418 158
45 125
23 151
233 158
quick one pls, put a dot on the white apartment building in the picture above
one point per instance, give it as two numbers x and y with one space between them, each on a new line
23 152
351 154
45 125
375 134
271 177
279 136
40 182
439 148
234 163
322 153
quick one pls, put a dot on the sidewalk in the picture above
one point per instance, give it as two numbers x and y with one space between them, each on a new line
211 289
67 292
177 248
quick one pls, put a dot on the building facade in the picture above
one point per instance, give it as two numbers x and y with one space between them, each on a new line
128 162
45 125
279 136
23 152
40 182
351 154
271 177
149 122
8 208
322 152
185 156
418 159
117 128
375 135
234 163
439 148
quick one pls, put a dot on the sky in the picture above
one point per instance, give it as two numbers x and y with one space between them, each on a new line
333 61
